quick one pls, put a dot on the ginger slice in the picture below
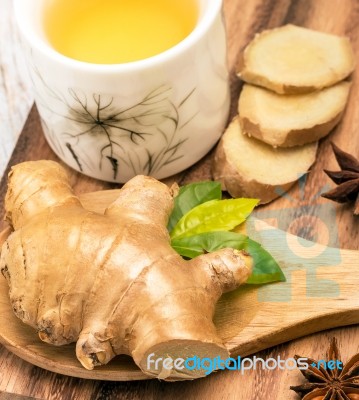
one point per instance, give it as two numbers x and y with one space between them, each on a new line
112 283
292 59
247 167
293 119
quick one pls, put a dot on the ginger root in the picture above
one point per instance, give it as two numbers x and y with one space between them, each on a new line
112 283
292 59
292 119
247 167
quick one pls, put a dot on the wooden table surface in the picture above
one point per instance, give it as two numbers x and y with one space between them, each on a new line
302 212
15 86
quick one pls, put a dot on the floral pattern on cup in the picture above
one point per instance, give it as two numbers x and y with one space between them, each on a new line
100 116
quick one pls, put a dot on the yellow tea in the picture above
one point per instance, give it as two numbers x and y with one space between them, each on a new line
117 31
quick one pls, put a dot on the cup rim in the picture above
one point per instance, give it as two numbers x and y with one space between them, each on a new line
213 9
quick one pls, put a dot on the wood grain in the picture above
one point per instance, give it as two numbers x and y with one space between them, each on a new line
247 320
12 396
302 212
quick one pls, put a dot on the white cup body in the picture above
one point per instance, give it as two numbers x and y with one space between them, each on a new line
156 116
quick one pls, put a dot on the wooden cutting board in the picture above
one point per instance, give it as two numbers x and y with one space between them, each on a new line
302 212
248 320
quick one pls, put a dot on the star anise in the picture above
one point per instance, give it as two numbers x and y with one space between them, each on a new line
339 383
347 179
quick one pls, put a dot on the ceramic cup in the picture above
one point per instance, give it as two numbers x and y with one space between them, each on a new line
155 116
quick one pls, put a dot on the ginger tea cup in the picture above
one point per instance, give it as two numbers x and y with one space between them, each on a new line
154 116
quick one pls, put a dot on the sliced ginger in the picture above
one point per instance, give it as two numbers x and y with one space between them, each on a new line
247 167
290 120
292 59
112 283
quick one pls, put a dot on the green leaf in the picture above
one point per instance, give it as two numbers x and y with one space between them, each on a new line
265 268
214 215
193 246
192 195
